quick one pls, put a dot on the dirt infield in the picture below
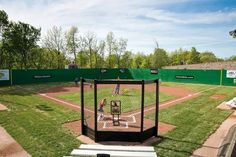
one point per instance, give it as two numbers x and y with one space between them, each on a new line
167 90
127 123
75 127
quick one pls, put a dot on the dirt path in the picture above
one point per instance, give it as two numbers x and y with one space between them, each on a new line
179 92
9 147
214 142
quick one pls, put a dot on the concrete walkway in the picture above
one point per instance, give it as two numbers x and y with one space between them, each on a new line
9 147
212 144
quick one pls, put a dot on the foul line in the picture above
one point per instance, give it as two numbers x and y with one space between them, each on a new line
64 102
176 100
131 115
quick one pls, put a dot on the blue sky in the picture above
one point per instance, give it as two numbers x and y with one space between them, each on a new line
204 24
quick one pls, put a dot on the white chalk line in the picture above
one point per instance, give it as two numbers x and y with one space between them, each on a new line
176 100
64 102
99 118
132 115
126 123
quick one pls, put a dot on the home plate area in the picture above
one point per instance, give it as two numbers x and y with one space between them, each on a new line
124 121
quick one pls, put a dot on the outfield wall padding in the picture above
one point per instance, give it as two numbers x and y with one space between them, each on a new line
67 75
214 77
190 76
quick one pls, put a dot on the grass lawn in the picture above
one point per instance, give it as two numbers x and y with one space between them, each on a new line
130 99
36 123
195 119
191 86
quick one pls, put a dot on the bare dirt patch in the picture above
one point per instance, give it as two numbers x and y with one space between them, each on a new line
217 96
179 92
164 128
75 127
2 107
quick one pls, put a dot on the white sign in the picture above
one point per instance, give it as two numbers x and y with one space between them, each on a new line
4 74
231 74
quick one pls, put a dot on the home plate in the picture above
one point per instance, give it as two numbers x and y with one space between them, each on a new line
122 125
190 95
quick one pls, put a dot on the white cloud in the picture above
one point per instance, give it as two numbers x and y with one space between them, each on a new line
136 20
192 18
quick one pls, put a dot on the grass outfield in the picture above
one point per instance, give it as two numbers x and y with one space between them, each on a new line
36 123
190 86
130 99
195 119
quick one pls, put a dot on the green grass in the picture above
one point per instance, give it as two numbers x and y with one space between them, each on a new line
191 86
36 123
130 99
195 119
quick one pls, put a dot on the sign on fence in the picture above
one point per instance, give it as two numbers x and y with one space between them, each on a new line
42 76
184 77
4 74
231 74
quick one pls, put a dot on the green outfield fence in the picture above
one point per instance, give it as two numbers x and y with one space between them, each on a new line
215 77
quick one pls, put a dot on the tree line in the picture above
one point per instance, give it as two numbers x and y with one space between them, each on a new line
21 47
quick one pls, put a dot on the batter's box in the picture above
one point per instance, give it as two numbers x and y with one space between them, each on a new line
123 119
122 125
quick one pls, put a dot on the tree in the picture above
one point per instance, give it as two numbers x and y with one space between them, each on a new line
54 42
147 61
99 54
193 56
110 47
126 59
159 58
90 41
18 39
139 61
120 49
3 20
3 25
232 58
207 57
83 59
72 41
112 60
179 57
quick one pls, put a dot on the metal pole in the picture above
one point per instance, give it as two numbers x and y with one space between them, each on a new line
142 110
95 110
82 104
157 106
221 76
11 77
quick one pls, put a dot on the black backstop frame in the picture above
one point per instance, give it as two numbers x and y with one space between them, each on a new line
118 135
